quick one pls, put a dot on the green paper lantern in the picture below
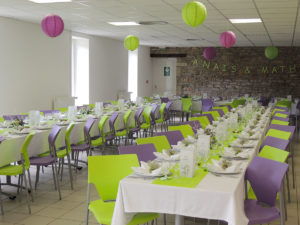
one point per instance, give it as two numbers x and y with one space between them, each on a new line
131 42
271 52
194 13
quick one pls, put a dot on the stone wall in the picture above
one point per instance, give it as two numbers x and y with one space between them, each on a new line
237 71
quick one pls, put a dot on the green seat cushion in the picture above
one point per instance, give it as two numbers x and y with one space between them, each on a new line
275 154
281 115
224 108
61 153
97 142
121 133
279 134
279 122
145 126
160 142
11 170
103 212
215 114
161 120
203 120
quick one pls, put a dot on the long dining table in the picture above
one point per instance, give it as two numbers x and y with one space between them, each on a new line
216 197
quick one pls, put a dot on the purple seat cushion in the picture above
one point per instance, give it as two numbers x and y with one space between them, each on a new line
258 214
42 161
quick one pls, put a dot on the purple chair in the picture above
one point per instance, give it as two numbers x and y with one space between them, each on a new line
164 100
154 108
282 112
46 112
167 112
209 117
143 152
275 142
15 117
173 136
281 119
228 106
207 105
194 124
49 159
266 178
112 121
84 147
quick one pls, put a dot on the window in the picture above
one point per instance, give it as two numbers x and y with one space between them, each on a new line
132 73
80 70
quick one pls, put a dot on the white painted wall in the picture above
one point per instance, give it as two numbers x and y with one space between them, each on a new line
161 83
108 69
144 72
33 67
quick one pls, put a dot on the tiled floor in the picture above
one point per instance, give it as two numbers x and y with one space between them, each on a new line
71 210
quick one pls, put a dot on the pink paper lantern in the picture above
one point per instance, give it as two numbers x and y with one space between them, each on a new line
52 25
227 39
209 53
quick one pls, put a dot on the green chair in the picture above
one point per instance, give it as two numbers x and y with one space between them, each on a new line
160 142
279 134
146 126
15 170
284 103
1 119
161 120
203 120
186 130
148 99
105 172
215 114
186 107
100 141
123 133
224 108
279 122
277 110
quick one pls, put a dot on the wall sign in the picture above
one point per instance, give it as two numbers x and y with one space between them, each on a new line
167 71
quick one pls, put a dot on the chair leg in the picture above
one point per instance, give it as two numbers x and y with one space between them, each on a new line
293 171
288 186
57 180
27 191
30 185
165 219
62 168
70 171
54 178
37 176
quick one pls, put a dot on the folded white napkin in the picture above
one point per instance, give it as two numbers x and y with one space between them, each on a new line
231 153
216 166
165 156
144 170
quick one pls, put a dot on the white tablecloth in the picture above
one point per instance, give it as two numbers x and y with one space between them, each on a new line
215 197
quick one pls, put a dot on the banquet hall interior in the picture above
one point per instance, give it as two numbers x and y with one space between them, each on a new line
149 112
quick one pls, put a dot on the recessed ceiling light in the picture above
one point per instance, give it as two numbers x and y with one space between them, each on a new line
49 1
124 23
153 22
253 20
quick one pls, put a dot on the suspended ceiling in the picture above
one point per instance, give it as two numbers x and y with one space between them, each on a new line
280 26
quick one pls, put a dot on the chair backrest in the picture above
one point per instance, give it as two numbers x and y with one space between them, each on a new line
196 106
87 128
101 125
160 142
67 136
209 117
228 106
173 136
223 108
167 110
15 117
24 149
105 172
126 117
281 114
112 121
52 138
265 177
186 130
154 107
272 153
279 134
281 107
275 142
137 116
207 104
164 99
143 152
147 114
195 124
203 120
186 104
162 110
